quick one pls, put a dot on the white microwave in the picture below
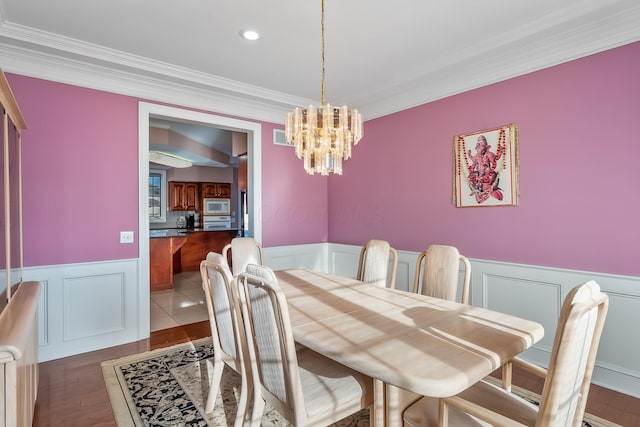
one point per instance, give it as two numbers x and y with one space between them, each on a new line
216 207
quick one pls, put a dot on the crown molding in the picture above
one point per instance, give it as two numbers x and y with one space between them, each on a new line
546 46
546 42
34 53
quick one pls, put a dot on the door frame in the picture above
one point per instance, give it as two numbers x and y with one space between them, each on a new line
254 184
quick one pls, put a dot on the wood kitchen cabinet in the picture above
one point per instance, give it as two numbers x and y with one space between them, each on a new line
198 245
216 189
161 252
184 196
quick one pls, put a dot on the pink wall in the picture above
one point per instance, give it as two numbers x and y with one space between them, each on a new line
80 178
80 172
579 151
294 204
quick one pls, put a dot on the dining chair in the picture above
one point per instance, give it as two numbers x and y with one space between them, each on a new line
437 273
373 264
304 386
244 251
566 385
227 331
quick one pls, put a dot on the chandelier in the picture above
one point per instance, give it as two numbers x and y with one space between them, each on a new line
323 135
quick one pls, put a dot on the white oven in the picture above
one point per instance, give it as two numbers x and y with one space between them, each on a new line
216 222
216 207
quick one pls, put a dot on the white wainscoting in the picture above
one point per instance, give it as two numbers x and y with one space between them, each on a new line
527 291
85 307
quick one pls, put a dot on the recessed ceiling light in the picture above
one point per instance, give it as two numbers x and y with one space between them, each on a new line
249 35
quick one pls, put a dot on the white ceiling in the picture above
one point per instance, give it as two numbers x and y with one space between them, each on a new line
381 56
210 136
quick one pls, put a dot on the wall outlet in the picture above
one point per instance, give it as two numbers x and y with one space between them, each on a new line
126 237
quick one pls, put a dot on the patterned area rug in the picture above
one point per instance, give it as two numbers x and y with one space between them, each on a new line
169 387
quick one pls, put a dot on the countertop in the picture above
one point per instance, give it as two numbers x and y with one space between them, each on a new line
181 232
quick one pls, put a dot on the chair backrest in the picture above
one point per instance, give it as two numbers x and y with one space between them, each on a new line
226 327
244 251
438 277
273 353
373 265
564 395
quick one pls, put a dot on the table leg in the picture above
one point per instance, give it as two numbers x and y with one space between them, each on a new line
378 416
396 401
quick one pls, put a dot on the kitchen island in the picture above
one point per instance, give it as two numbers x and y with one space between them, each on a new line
172 251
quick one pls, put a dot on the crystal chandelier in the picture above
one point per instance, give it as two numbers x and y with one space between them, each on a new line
323 135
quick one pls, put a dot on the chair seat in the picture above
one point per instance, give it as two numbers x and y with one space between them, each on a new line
425 412
331 391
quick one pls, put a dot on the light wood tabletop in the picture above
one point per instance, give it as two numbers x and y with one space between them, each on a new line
421 344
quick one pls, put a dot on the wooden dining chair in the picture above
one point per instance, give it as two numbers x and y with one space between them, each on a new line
227 331
567 380
243 251
437 273
373 264
304 386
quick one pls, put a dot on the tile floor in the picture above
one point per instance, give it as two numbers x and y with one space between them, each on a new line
179 306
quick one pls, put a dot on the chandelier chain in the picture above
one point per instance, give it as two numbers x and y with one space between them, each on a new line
322 36
323 135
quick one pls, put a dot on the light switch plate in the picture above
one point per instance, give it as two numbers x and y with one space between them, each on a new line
126 237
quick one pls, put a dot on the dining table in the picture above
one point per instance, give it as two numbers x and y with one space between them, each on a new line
411 345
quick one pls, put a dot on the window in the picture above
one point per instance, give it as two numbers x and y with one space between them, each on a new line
157 195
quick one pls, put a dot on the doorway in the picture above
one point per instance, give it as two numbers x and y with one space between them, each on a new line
147 111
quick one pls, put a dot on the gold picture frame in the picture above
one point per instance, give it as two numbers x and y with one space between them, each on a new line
486 168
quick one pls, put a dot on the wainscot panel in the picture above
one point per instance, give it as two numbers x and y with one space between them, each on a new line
536 293
311 256
86 307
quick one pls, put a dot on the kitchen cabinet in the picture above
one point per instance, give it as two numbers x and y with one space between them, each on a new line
184 196
198 245
161 252
216 190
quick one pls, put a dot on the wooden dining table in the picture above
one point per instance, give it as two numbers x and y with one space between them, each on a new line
410 344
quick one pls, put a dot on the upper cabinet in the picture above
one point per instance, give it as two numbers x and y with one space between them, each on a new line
184 196
10 193
216 190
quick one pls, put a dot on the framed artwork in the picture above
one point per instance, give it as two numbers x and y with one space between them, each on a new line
486 168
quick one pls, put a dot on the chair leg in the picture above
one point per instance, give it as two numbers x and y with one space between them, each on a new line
443 418
214 387
257 410
242 402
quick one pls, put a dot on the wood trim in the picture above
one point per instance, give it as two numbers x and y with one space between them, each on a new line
9 102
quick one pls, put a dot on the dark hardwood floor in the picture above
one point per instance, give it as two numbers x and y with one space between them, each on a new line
72 390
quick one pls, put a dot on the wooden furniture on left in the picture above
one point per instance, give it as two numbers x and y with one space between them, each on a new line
18 300
424 345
